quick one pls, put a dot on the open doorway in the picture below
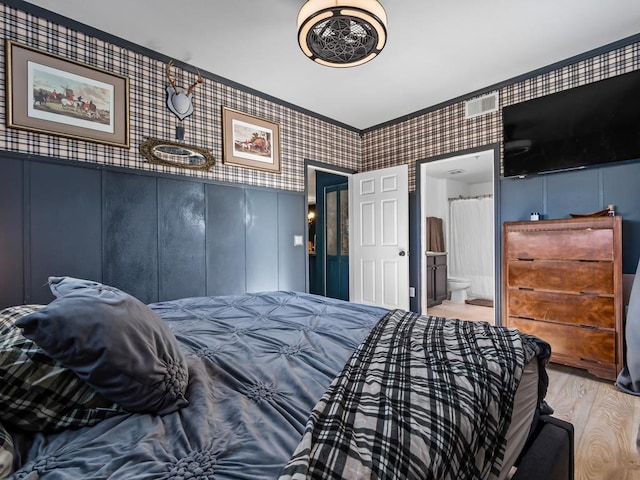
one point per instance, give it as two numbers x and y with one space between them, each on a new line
370 233
458 234
328 233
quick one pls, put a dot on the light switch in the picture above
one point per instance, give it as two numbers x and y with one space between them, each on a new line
298 240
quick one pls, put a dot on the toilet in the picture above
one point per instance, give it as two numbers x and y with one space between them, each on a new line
458 288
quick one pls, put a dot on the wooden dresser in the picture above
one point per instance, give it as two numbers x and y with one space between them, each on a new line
562 281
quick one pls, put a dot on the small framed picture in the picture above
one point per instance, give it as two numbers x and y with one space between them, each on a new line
50 94
250 141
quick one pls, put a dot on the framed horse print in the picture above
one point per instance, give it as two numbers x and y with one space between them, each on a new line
50 94
250 141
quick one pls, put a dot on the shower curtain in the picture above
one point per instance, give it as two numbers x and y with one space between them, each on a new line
471 244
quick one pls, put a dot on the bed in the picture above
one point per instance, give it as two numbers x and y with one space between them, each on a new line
274 385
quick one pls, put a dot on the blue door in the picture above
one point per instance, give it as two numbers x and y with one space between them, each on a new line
336 202
329 274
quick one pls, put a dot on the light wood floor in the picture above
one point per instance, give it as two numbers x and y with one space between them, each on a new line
462 311
606 421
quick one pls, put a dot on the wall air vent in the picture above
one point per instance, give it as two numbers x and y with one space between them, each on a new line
480 105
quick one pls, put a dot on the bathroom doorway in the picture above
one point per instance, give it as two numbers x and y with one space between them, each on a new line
458 232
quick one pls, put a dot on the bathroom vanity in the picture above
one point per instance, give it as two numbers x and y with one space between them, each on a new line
436 278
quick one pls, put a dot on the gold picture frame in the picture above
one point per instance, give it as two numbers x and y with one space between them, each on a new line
50 94
176 154
250 141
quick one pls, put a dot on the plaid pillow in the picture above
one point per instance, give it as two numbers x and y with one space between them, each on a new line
37 393
6 453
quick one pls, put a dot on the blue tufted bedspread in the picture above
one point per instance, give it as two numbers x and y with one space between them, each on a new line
258 364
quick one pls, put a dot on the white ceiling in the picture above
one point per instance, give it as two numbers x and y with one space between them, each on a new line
469 168
437 50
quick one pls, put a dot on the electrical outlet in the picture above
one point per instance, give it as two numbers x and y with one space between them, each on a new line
298 240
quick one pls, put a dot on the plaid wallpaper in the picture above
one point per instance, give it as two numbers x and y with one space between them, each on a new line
446 131
303 136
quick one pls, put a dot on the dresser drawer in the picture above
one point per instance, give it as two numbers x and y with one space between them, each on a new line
570 341
589 244
591 277
564 308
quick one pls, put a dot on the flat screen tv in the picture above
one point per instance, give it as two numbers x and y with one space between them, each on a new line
593 124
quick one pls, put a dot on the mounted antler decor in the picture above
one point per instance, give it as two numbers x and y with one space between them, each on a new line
178 98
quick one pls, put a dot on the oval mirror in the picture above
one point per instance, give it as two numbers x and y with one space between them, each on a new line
176 154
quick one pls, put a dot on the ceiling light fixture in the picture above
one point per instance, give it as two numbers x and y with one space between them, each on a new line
342 33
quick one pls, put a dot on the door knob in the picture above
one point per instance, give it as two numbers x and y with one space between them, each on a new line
402 253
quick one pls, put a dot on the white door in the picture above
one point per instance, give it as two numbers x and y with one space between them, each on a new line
379 267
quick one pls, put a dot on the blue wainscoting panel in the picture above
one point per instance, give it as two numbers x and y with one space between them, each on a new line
557 195
181 236
131 234
621 187
291 259
576 191
64 224
519 197
262 240
155 236
225 240
11 238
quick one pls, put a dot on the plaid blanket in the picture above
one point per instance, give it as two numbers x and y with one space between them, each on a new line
421 398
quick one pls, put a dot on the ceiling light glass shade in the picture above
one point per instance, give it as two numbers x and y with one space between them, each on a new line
342 33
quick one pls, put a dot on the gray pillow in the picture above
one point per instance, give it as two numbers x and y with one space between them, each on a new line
60 286
113 342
